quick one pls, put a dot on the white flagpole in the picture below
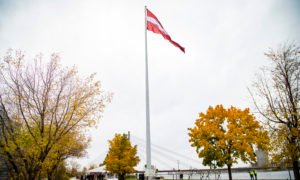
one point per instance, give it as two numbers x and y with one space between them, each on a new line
148 140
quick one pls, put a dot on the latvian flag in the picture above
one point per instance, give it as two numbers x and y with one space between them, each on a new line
155 26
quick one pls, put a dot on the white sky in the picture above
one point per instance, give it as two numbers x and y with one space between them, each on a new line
224 41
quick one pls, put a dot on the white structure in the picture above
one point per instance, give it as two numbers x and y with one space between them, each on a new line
100 173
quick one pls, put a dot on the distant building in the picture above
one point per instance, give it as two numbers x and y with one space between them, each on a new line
99 173
262 158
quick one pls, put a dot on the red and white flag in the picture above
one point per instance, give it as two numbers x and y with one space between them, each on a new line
155 26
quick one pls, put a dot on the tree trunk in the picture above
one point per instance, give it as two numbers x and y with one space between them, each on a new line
121 176
29 176
33 173
296 170
229 172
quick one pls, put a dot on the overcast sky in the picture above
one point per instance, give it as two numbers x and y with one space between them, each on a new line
225 43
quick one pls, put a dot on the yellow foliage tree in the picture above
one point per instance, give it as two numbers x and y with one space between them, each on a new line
44 110
121 157
222 136
283 152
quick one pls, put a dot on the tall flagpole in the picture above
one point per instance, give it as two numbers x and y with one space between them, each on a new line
148 140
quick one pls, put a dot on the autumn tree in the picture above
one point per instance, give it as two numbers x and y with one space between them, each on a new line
280 152
74 170
44 110
92 166
222 136
72 145
121 157
276 95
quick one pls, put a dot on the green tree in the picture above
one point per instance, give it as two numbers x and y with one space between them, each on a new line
276 95
222 136
121 157
44 110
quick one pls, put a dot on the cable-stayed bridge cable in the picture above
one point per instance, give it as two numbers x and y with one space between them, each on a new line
167 154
